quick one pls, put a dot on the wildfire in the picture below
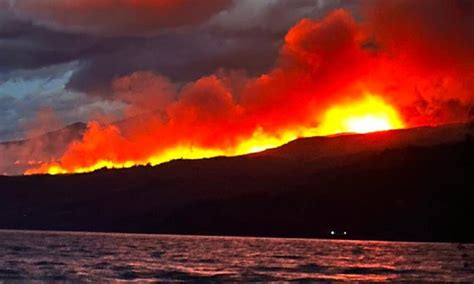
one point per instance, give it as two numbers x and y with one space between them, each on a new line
368 115
258 142
315 88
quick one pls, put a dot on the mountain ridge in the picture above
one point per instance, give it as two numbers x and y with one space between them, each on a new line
415 192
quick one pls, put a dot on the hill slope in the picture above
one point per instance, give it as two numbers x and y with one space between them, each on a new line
408 189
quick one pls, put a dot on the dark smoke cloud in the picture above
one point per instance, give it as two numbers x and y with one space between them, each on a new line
181 57
275 16
27 46
117 17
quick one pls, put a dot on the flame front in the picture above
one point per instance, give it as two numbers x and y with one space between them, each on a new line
368 115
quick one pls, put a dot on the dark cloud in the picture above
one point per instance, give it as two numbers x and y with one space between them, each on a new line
182 57
27 46
274 16
246 36
236 38
117 17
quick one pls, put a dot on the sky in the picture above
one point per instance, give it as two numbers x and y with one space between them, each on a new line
61 55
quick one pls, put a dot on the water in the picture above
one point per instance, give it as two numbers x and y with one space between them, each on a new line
109 257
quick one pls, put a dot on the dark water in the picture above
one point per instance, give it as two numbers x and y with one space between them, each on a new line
104 257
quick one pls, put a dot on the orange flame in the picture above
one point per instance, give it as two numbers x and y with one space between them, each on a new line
368 115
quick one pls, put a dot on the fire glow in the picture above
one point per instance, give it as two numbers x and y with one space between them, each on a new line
368 115
331 75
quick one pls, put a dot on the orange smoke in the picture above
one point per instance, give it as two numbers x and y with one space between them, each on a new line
368 115
332 76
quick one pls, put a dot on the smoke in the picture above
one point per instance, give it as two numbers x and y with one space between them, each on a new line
45 144
436 35
144 92
425 50
416 55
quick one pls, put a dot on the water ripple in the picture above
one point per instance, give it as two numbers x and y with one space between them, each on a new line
51 256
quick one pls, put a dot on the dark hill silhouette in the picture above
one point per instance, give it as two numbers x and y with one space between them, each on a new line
413 184
318 147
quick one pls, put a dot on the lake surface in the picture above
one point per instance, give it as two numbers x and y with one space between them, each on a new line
104 257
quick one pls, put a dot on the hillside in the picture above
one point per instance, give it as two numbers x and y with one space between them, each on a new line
413 184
